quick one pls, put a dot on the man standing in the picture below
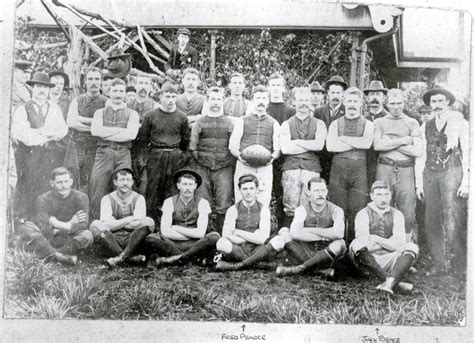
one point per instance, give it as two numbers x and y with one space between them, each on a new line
334 109
210 148
190 102
349 138
375 97
181 56
301 137
59 227
116 126
317 95
316 235
183 224
21 74
36 127
139 151
131 93
246 232
256 128
123 225
380 246
166 130
278 108
80 153
442 179
236 105
56 95
397 137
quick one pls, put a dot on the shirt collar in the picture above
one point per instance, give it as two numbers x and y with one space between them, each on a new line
378 210
115 107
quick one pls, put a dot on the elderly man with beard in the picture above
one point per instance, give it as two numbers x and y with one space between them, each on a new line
398 139
380 246
349 138
166 131
123 225
442 179
115 126
80 152
301 138
36 127
236 105
212 159
139 151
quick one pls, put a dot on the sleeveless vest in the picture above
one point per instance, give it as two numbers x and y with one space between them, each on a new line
86 107
437 158
185 215
213 144
257 130
307 160
322 219
119 209
115 118
35 119
248 219
380 226
351 128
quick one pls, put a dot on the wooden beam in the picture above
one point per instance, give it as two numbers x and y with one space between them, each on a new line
155 45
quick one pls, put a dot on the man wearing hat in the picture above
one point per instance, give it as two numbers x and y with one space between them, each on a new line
442 179
183 231
329 112
115 126
426 113
118 63
166 131
131 93
191 102
123 225
181 56
142 103
397 138
349 138
36 127
380 245
21 74
210 148
317 94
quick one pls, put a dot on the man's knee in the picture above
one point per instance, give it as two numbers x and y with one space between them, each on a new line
84 239
356 245
338 247
212 237
285 234
412 248
278 243
152 238
224 245
97 227
149 223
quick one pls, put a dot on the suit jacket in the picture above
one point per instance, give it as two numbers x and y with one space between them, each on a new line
177 60
324 113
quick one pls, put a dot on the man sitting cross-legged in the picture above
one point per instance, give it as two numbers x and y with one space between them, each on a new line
381 246
123 224
58 229
183 224
315 237
247 229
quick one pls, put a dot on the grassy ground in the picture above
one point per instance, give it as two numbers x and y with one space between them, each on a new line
36 289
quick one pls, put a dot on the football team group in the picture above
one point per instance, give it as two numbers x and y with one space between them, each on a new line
193 177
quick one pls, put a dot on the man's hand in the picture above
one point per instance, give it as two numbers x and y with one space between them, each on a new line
420 194
53 221
244 162
463 190
270 162
78 217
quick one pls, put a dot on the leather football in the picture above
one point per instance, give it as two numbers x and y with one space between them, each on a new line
256 155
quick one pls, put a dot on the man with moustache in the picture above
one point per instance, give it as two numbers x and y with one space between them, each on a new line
209 146
316 236
115 126
181 56
80 152
332 110
123 225
36 127
442 180
318 94
380 245
190 102
398 139
245 236
21 74
166 131
183 225
301 138
139 151
254 128
236 105
349 138
59 228
375 97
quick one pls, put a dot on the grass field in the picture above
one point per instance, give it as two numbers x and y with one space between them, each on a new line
36 289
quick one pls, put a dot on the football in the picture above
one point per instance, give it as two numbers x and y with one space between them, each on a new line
256 155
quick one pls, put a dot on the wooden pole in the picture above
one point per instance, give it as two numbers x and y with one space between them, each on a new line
72 67
212 73
355 47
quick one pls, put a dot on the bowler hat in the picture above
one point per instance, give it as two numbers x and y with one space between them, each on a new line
119 67
60 73
184 32
379 184
375 86
425 109
335 80
130 89
316 87
40 79
438 90
24 65
121 168
181 172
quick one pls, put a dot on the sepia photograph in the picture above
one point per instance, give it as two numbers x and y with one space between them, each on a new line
214 171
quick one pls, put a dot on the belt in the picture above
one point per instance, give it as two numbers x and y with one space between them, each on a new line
399 164
164 148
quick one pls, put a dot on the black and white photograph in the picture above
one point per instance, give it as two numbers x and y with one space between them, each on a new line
216 171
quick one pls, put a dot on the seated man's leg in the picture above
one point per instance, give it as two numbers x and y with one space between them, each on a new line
230 250
365 259
157 244
105 239
202 246
73 244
